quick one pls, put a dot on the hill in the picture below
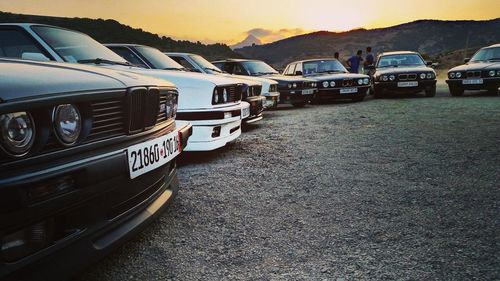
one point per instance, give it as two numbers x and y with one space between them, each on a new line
430 37
111 31
249 41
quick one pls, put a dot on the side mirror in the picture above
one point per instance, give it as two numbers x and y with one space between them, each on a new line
298 72
466 60
34 56
429 63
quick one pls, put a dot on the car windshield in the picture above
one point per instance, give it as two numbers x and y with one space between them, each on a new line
323 66
203 63
158 59
400 60
74 46
258 68
487 54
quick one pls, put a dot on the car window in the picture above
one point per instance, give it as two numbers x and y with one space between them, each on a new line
203 63
258 68
323 66
185 63
400 60
290 70
487 54
239 70
227 67
156 58
128 55
74 46
17 44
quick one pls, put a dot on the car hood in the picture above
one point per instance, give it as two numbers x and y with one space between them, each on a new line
20 78
328 77
398 70
477 66
283 78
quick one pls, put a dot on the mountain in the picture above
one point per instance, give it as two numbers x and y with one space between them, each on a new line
111 31
251 40
430 37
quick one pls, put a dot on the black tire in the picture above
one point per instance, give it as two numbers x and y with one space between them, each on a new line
431 92
455 92
377 94
299 104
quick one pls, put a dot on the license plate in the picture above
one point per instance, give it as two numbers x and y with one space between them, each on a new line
308 92
147 156
472 81
407 84
245 112
348 90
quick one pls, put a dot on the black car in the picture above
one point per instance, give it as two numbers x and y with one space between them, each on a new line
481 72
332 79
297 91
402 73
87 158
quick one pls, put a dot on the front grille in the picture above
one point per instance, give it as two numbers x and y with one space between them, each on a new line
253 91
234 92
347 82
108 119
141 101
471 74
411 76
273 88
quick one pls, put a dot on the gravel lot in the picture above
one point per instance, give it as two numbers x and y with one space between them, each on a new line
405 189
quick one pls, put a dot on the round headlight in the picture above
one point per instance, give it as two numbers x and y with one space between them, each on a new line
458 74
224 95
392 77
384 77
498 72
360 81
295 85
216 97
422 75
332 83
429 75
314 84
451 75
325 84
366 81
491 73
17 132
289 86
67 123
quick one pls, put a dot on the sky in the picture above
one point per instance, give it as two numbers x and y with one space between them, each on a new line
230 21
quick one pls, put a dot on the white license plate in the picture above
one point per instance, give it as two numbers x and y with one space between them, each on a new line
147 156
245 112
348 90
407 84
308 92
472 81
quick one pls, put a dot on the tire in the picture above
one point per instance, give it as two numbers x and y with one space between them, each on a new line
299 104
431 93
376 94
455 92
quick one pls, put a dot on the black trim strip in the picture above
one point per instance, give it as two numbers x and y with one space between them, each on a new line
211 115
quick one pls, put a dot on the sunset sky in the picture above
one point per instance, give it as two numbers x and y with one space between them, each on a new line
230 21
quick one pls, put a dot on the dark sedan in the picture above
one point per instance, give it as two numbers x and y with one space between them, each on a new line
87 158
481 72
297 91
332 79
402 73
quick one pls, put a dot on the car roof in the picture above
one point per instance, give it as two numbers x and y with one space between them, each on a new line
123 45
233 60
180 54
308 60
493 46
398 53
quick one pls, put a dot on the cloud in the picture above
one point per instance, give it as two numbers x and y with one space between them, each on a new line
270 35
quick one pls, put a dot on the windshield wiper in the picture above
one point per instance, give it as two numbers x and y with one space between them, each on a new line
493 59
265 73
174 68
213 69
100 60
331 71
392 65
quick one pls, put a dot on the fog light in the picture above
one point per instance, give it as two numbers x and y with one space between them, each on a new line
27 241
216 132
49 188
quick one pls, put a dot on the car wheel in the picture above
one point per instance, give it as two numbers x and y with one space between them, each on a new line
431 92
455 92
299 104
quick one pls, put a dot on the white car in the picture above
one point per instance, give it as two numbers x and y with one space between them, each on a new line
198 63
153 58
211 103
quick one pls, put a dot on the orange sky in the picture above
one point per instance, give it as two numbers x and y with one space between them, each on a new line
229 21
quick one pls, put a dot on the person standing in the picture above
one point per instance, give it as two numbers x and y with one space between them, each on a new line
336 55
369 59
355 61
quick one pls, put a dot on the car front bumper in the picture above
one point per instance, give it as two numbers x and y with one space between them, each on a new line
490 84
392 87
272 99
256 108
290 96
334 94
102 210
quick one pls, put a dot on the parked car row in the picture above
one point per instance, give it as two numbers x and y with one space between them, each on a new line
89 133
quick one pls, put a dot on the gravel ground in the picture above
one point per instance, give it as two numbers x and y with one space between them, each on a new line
392 189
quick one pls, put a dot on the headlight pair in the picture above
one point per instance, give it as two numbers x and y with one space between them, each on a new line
292 85
18 129
364 81
326 84
454 75
429 75
492 73
220 96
